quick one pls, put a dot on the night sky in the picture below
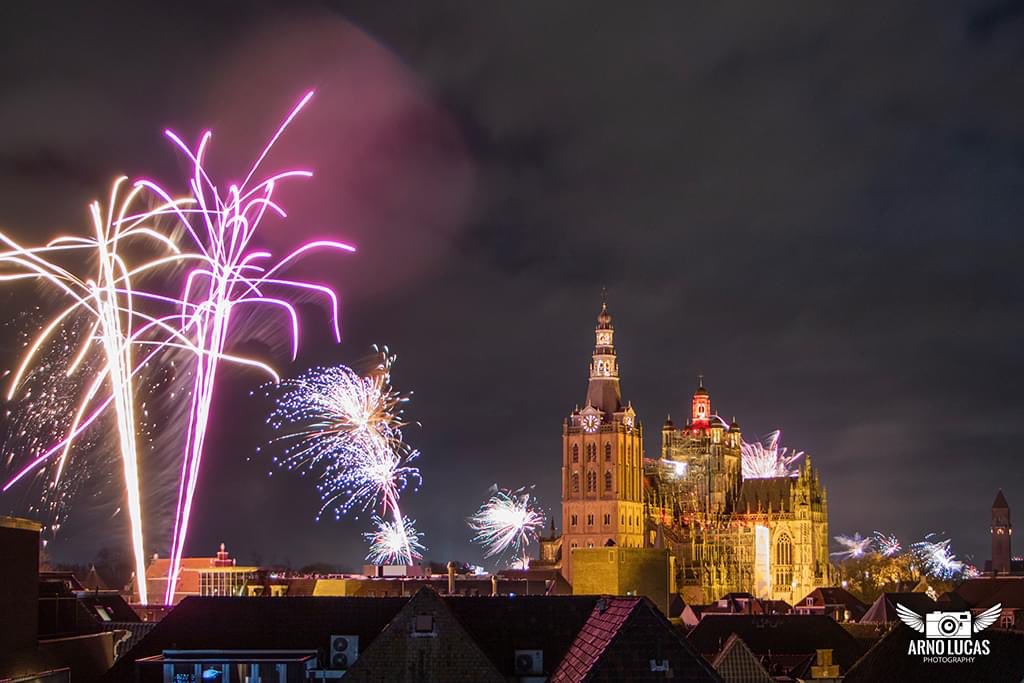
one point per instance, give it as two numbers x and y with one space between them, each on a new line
815 205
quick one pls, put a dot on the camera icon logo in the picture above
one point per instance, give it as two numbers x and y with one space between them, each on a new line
947 625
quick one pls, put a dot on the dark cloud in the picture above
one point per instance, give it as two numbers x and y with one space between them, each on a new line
814 205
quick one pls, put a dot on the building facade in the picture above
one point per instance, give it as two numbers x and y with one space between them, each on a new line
602 460
763 536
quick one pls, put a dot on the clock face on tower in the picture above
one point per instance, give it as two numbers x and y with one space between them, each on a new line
590 423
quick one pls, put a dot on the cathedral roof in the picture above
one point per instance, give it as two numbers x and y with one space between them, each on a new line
766 495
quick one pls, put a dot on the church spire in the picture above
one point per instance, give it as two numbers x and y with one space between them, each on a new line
603 391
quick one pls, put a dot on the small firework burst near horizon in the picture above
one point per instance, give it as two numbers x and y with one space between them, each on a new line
346 429
853 546
937 559
767 459
394 542
887 544
507 523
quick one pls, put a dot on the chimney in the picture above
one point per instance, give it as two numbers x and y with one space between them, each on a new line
451 578
494 584
824 668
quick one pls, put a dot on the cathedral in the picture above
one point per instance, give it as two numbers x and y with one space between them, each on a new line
726 533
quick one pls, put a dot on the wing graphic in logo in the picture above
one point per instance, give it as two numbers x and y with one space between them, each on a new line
986 618
911 618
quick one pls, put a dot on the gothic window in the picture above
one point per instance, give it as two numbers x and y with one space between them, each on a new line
590 520
608 454
607 481
784 550
591 481
575 482
607 518
784 561
573 520
575 452
591 452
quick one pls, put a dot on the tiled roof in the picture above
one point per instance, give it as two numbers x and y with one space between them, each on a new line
113 604
630 639
833 595
502 625
781 635
883 611
449 653
597 633
985 592
888 661
737 664
288 623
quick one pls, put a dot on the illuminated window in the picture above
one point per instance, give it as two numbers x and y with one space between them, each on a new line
607 481
575 453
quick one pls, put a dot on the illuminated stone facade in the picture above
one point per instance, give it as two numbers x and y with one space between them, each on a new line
625 571
602 461
768 537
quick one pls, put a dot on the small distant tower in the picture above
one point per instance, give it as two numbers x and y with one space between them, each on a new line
700 416
1001 531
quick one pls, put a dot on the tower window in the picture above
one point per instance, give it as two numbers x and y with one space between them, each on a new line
607 518
591 481
590 520
607 452
575 453
575 482
591 452
607 481
573 520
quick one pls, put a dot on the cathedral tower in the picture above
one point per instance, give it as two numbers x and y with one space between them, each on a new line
602 460
1001 531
